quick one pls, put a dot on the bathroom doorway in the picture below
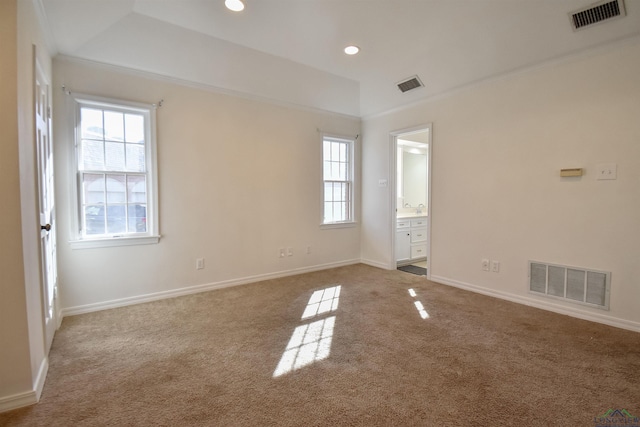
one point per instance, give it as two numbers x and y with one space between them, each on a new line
411 154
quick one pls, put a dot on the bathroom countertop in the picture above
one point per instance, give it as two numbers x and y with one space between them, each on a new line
410 215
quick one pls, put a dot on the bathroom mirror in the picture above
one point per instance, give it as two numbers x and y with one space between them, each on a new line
412 176
414 173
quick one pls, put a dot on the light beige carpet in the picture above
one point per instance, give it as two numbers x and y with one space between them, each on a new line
444 357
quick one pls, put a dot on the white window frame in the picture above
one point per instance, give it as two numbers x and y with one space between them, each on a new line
152 235
351 220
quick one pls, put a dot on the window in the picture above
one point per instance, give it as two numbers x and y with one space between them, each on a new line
115 166
337 167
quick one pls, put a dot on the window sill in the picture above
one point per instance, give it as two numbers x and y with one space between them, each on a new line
113 242
338 225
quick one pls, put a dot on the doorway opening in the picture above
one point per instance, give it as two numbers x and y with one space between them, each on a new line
411 199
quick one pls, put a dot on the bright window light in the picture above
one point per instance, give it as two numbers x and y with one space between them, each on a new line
338 180
308 344
235 5
423 313
322 301
421 310
351 50
311 342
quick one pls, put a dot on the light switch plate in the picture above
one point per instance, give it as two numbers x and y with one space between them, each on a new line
607 171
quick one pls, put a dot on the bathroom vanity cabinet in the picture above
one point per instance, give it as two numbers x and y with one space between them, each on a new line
411 239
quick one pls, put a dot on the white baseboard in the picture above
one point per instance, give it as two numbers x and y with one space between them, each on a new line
40 379
19 400
375 264
88 308
27 398
549 306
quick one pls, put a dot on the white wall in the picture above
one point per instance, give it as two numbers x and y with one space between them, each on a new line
498 148
15 373
238 178
23 361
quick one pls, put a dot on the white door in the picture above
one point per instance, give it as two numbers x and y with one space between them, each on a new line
46 202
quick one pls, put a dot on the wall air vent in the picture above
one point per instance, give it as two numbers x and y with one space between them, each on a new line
573 284
410 83
598 12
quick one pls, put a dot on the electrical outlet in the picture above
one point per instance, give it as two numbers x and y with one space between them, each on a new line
485 265
199 263
495 266
282 252
308 250
289 251
607 171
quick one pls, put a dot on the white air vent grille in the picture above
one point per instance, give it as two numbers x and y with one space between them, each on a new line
579 285
410 83
598 12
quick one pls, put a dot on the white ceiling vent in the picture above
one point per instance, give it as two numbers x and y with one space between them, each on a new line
410 83
597 12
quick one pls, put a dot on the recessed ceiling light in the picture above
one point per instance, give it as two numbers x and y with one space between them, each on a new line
351 50
235 5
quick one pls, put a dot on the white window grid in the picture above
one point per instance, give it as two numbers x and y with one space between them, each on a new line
116 194
337 163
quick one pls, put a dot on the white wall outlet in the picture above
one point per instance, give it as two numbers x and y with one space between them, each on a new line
199 263
308 250
289 251
607 171
495 266
485 265
282 252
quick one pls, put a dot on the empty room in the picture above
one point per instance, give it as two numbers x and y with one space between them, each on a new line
320 212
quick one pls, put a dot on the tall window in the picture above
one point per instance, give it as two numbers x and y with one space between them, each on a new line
115 152
337 162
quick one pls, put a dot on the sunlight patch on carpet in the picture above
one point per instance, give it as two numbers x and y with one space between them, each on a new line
311 342
308 344
421 310
322 301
